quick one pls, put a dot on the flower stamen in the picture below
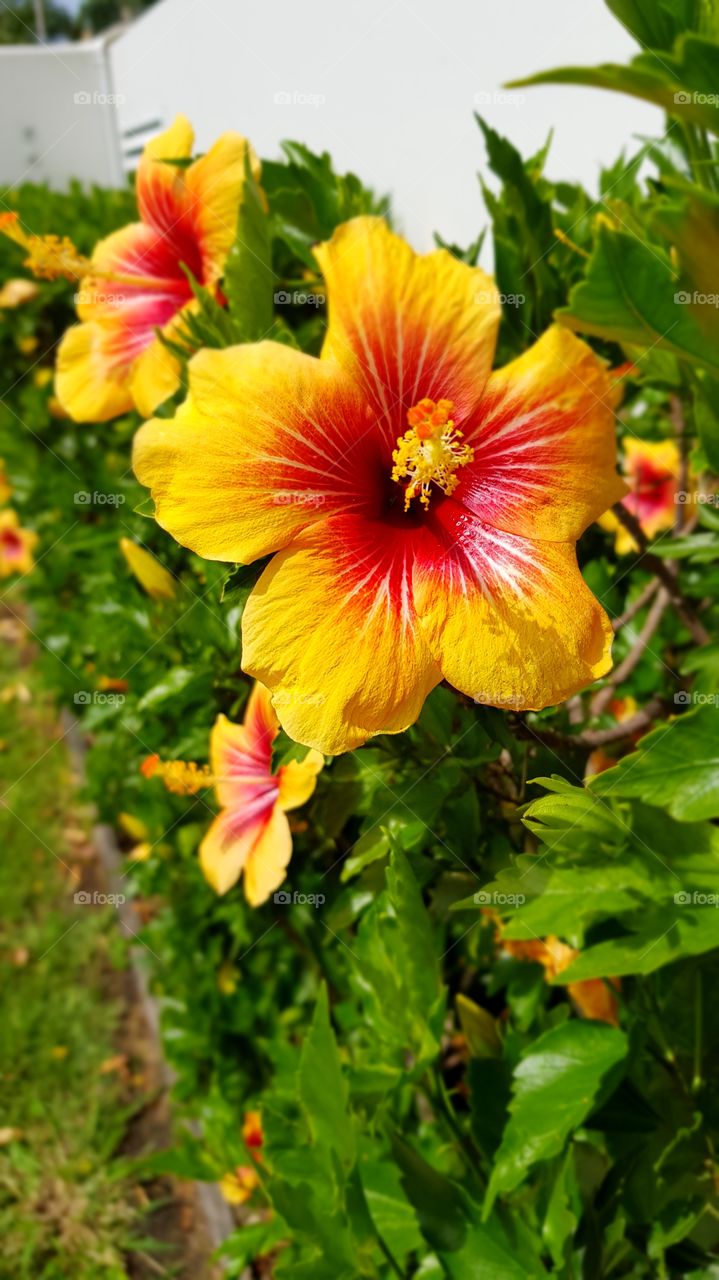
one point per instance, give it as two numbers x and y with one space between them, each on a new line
430 452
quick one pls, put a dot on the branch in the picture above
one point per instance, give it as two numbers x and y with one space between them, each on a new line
592 738
601 700
665 575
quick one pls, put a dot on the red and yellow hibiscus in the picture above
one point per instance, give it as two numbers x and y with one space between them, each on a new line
251 835
652 473
16 545
135 283
423 509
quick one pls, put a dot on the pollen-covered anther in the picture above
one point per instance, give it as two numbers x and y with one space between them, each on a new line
430 452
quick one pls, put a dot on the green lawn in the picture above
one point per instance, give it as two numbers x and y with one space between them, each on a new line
68 1205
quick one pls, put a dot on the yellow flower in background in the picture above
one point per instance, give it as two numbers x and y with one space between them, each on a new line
423 510
152 576
135 284
42 377
26 346
238 1185
14 293
16 545
251 835
652 472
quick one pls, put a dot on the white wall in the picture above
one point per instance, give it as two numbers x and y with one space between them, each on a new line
59 116
388 86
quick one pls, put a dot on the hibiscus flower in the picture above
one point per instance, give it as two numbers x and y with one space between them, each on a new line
652 472
16 545
135 285
251 835
423 510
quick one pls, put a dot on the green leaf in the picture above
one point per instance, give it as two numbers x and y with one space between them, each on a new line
556 1085
500 1249
479 1028
323 1090
248 282
687 927
391 1212
657 23
629 295
438 1202
683 83
675 767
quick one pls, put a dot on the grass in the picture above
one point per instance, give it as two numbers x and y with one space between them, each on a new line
69 1206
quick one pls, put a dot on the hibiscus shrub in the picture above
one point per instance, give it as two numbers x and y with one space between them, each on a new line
430 909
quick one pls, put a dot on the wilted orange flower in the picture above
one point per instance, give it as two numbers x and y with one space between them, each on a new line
16 545
134 283
652 473
592 997
424 511
251 836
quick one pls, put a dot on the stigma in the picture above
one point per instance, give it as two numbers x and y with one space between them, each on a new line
430 452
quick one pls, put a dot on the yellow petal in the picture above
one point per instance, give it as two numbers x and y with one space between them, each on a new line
510 621
225 850
330 629
157 582
544 443
92 380
257 452
266 865
407 326
298 780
